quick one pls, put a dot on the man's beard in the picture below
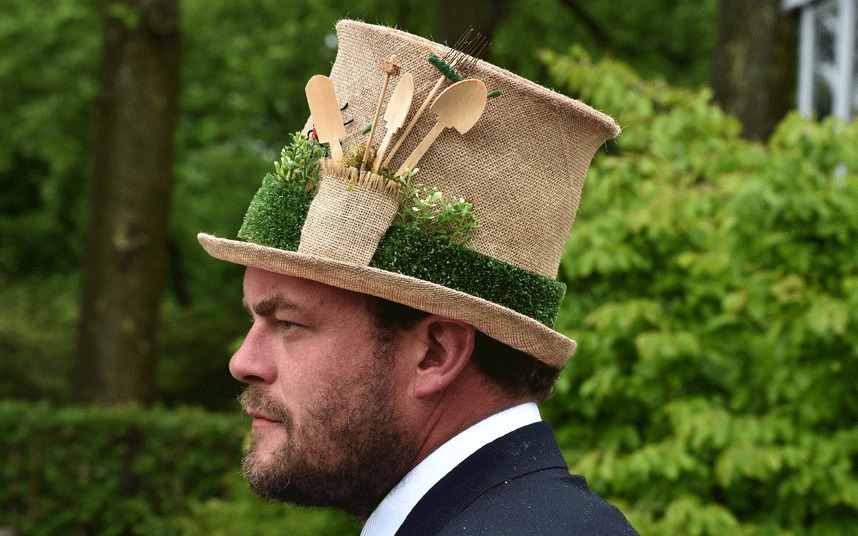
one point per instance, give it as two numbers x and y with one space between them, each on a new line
350 450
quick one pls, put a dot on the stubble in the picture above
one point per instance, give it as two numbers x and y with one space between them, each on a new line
349 450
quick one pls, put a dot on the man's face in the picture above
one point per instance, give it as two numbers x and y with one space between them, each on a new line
322 392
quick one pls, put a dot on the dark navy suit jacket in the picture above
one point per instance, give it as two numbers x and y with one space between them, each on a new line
518 484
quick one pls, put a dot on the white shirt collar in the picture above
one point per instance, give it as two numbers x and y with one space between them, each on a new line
392 511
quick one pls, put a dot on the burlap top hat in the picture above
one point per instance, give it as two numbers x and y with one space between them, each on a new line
517 172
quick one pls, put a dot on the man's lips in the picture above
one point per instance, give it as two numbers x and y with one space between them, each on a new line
261 416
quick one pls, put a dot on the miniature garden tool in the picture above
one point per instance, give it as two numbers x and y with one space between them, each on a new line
325 112
459 106
473 46
394 114
390 68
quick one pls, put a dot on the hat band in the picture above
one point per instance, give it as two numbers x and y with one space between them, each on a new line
277 213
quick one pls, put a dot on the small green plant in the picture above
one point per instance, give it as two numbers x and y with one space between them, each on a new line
425 210
299 162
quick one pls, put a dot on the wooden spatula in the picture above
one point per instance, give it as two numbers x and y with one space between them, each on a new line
325 111
459 106
395 113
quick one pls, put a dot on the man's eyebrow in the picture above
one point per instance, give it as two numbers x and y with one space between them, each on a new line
268 305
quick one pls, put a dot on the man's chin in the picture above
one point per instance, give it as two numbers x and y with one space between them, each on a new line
260 468
265 453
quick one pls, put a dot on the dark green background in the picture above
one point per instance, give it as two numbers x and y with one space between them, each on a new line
712 281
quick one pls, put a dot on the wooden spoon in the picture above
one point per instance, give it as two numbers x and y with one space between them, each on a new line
459 106
414 119
325 111
395 113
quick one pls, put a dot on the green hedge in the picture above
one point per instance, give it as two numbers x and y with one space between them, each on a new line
100 471
96 471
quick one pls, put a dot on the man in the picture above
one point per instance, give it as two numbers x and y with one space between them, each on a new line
392 368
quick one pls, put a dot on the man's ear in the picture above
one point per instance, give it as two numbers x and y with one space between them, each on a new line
447 348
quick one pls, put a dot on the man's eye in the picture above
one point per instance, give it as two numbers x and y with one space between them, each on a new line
285 325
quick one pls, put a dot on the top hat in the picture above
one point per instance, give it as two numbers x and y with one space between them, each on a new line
515 177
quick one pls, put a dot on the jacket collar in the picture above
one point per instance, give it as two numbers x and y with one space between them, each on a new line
528 449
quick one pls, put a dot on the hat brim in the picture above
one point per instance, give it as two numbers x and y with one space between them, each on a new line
507 326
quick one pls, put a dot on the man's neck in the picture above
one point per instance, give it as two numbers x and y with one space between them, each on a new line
464 403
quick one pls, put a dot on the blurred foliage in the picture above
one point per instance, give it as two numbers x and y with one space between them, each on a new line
713 290
47 99
37 325
712 281
668 39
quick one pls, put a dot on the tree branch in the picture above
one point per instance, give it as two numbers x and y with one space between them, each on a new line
588 21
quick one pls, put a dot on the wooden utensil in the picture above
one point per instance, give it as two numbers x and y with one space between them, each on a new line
466 50
390 68
459 106
395 113
325 111
414 119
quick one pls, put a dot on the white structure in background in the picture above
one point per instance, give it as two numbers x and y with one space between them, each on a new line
827 56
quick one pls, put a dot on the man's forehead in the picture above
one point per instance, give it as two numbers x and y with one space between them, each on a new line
290 291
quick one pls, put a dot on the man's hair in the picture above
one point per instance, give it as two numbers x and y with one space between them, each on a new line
518 373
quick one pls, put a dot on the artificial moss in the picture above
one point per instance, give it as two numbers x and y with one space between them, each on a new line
415 254
277 213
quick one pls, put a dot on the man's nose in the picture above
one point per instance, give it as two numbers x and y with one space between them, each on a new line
252 362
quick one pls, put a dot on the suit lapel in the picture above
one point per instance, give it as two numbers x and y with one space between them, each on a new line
528 449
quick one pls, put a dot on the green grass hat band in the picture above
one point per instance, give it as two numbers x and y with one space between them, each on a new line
277 213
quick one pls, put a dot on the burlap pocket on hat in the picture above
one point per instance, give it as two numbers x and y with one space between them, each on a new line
349 215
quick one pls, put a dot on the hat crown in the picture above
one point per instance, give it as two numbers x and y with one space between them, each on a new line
522 165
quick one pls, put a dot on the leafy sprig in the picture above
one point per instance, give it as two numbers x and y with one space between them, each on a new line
299 162
427 211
